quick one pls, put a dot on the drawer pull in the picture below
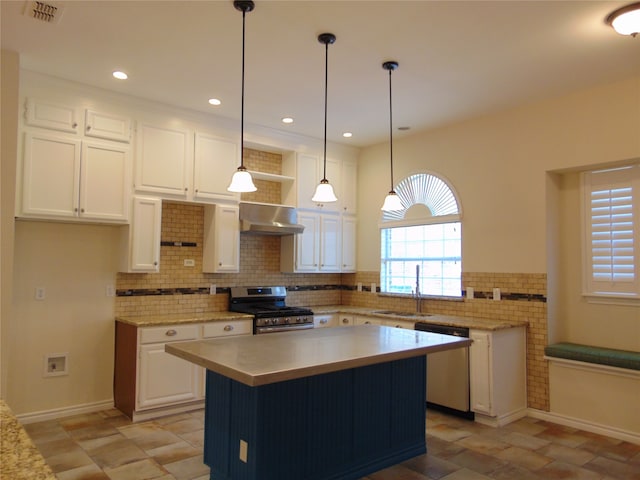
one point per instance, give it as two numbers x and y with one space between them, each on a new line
171 333
228 328
345 320
323 321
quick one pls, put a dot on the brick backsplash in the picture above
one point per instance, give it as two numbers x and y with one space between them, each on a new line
180 289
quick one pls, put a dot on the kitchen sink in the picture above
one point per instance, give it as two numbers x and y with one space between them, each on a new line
402 314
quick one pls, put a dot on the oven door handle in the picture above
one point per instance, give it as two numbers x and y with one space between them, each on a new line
283 328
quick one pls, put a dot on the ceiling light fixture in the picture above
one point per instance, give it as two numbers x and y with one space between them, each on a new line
214 101
626 20
324 190
120 75
392 201
241 180
287 120
347 134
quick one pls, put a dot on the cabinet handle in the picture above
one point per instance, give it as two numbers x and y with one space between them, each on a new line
367 322
75 210
82 210
155 264
345 320
88 127
74 125
186 189
228 328
219 264
171 333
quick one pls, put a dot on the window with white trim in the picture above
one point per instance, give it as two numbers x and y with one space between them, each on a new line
611 246
422 243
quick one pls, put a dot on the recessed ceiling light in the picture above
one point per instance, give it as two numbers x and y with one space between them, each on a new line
214 101
120 75
287 120
347 134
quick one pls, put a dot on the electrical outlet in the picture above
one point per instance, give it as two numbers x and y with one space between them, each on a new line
244 451
189 262
470 292
359 286
373 288
496 294
212 289
40 293
110 291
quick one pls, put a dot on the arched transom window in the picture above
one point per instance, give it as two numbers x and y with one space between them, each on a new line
421 245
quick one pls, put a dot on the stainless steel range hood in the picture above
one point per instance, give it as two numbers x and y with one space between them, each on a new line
264 219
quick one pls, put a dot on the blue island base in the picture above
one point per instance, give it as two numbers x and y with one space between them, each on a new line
341 425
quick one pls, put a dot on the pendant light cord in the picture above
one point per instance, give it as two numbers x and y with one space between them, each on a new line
244 13
326 83
390 129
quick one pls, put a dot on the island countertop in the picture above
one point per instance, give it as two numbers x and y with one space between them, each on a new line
264 359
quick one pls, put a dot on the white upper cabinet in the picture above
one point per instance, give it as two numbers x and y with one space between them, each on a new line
107 126
140 241
163 160
45 114
308 170
216 160
349 181
221 247
68 178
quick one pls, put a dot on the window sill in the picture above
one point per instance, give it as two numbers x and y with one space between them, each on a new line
606 299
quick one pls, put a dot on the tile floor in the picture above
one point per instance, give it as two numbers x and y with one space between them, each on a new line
106 445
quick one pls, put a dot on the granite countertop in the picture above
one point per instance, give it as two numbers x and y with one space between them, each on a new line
449 320
264 359
178 318
21 460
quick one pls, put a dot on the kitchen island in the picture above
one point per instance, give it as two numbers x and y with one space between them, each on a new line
317 404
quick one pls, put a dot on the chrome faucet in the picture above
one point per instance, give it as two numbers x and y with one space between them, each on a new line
417 293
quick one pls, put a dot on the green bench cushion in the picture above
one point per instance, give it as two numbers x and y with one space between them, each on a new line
590 354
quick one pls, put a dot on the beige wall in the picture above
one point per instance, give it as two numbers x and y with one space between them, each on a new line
10 64
498 166
74 263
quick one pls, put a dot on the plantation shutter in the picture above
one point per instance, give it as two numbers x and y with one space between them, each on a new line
611 198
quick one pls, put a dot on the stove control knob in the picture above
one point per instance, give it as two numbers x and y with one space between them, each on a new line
286 320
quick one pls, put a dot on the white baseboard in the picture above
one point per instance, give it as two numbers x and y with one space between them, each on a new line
502 419
64 412
580 424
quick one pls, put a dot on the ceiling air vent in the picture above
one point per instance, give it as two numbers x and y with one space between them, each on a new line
49 12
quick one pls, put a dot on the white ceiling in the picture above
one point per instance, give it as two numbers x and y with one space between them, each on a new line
458 59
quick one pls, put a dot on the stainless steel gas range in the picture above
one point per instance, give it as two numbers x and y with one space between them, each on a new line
270 313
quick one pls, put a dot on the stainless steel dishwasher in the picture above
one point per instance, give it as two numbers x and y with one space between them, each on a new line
448 373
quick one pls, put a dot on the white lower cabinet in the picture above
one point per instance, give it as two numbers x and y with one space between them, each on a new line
362 320
149 382
325 320
497 364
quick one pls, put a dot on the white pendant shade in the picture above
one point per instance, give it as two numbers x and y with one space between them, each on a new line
241 182
324 193
392 202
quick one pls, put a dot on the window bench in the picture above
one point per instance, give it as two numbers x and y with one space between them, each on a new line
598 355
595 388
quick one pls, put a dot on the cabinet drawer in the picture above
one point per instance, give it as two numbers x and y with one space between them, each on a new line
168 333
222 329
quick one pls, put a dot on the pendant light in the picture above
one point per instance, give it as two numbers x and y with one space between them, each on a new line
241 180
392 201
626 20
324 190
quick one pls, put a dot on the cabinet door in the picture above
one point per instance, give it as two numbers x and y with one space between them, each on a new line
145 235
216 161
349 225
307 243
228 238
50 115
51 175
306 179
330 242
163 160
106 125
165 379
360 320
349 187
480 372
104 182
